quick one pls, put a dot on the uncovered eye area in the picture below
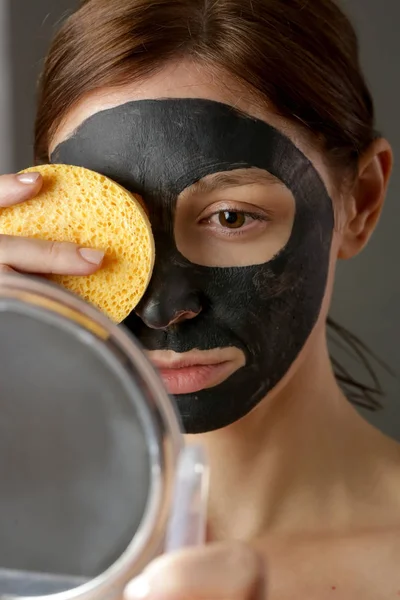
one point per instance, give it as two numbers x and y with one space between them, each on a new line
239 218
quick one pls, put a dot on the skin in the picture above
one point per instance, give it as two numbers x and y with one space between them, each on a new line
317 512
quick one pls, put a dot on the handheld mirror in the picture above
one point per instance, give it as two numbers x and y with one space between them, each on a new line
90 446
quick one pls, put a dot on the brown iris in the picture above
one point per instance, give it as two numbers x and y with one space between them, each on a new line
231 219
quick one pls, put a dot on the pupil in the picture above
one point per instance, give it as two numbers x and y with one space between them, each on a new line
231 217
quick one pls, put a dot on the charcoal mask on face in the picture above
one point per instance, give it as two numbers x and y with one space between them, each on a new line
158 148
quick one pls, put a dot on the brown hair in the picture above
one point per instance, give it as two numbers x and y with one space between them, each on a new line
300 56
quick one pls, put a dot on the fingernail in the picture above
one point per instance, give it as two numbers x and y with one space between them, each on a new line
138 589
28 178
94 257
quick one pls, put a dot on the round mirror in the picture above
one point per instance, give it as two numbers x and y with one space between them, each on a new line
88 446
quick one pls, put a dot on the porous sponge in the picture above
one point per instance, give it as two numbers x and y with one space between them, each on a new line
81 206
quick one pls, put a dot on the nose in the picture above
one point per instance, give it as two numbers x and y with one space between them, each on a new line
170 298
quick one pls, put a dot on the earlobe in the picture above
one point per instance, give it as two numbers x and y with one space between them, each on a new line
367 198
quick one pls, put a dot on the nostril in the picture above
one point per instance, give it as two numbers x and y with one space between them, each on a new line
184 315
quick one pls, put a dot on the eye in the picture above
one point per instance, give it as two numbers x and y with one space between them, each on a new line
232 221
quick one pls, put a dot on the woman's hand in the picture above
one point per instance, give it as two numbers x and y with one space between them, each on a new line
38 256
223 571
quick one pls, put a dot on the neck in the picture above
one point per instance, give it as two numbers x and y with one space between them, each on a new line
303 460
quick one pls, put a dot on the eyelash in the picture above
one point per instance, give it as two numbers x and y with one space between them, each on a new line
240 230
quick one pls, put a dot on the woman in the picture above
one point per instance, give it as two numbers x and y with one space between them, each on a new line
248 129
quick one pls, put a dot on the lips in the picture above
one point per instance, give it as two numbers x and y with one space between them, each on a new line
196 370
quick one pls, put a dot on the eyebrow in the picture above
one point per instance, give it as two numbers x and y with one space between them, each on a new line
220 181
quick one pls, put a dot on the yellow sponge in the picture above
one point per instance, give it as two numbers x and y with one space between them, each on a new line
81 206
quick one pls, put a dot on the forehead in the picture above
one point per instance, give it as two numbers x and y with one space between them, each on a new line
154 146
183 79
188 79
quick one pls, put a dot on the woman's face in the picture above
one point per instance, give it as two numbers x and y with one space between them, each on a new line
241 207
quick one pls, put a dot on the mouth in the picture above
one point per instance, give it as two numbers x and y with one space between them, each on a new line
190 372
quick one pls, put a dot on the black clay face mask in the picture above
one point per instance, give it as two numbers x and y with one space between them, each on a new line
158 148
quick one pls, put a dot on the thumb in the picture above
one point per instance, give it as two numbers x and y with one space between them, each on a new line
218 571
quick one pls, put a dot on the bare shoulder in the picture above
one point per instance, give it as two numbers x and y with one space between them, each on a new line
351 549
364 565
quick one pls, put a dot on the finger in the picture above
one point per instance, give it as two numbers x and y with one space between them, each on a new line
39 256
231 571
15 189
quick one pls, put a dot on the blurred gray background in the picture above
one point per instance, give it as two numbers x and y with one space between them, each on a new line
367 297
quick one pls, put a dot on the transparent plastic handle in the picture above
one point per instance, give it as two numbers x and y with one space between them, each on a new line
188 519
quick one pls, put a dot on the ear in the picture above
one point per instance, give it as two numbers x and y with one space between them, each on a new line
364 207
